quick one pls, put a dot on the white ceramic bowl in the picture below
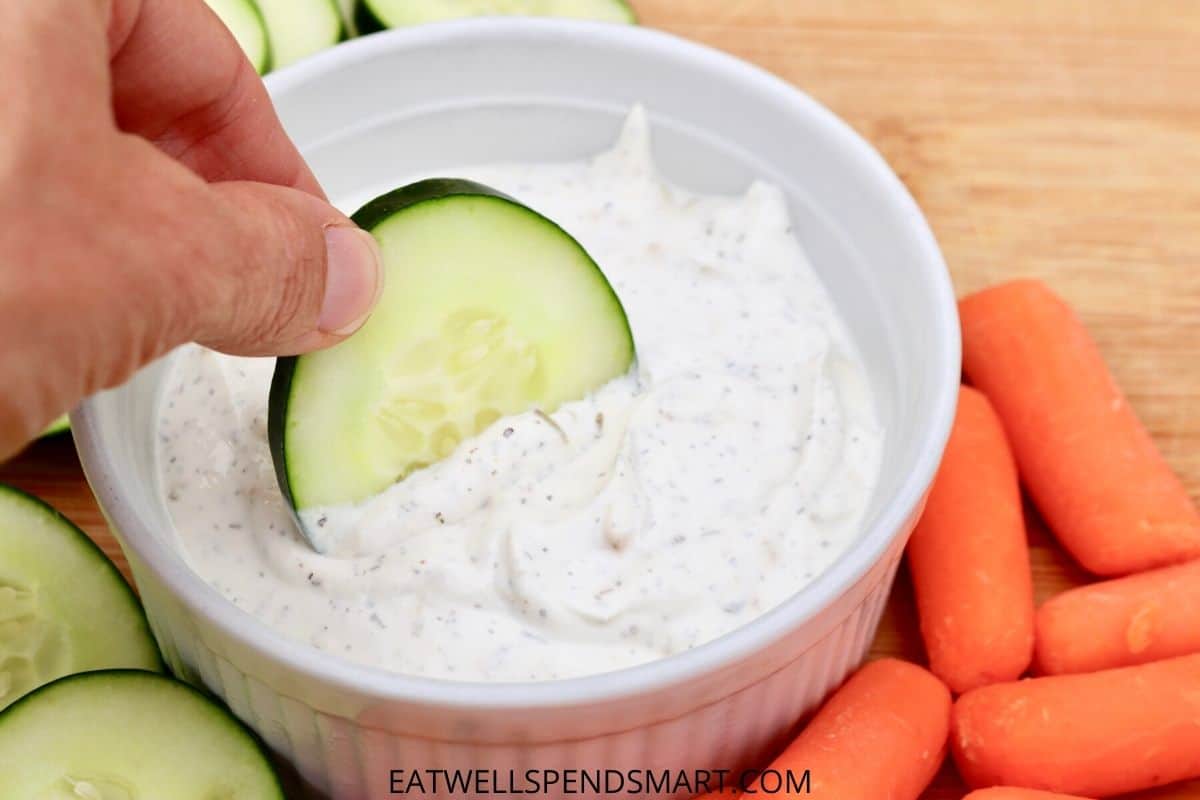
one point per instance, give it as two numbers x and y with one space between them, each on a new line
370 112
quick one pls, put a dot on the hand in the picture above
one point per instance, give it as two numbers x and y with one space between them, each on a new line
149 197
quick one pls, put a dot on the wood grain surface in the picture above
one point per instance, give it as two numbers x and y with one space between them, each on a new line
1056 138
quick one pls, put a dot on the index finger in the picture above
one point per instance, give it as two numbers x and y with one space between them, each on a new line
180 80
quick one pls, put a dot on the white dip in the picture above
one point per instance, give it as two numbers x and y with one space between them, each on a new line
676 504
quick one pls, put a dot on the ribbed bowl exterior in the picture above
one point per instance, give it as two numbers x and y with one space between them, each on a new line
346 746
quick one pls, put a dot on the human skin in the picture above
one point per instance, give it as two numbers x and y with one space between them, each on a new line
150 197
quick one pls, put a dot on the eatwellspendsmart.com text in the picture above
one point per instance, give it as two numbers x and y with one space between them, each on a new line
499 782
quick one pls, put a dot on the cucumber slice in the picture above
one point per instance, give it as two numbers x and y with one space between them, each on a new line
490 309
377 15
245 22
299 28
64 607
60 425
346 7
125 734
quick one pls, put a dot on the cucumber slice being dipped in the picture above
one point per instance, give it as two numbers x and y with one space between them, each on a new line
377 15
64 607
245 22
299 28
490 309
124 734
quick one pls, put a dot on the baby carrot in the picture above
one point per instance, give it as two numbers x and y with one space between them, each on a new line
1013 793
1089 464
1117 623
969 558
882 735
1097 734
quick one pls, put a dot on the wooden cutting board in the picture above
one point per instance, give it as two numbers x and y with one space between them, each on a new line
1056 138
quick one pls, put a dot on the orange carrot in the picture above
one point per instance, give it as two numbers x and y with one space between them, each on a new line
1013 793
1117 623
882 735
1091 467
969 558
1098 734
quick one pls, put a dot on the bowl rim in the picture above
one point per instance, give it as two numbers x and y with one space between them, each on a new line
201 599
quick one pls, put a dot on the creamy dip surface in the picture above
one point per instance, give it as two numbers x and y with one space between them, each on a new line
679 502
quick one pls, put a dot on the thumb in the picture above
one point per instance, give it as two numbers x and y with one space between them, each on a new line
120 254
284 272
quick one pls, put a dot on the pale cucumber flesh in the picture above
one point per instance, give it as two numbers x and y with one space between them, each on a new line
128 735
60 425
64 607
299 28
245 22
379 14
490 309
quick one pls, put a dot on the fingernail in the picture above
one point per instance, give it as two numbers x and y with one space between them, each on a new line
353 279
